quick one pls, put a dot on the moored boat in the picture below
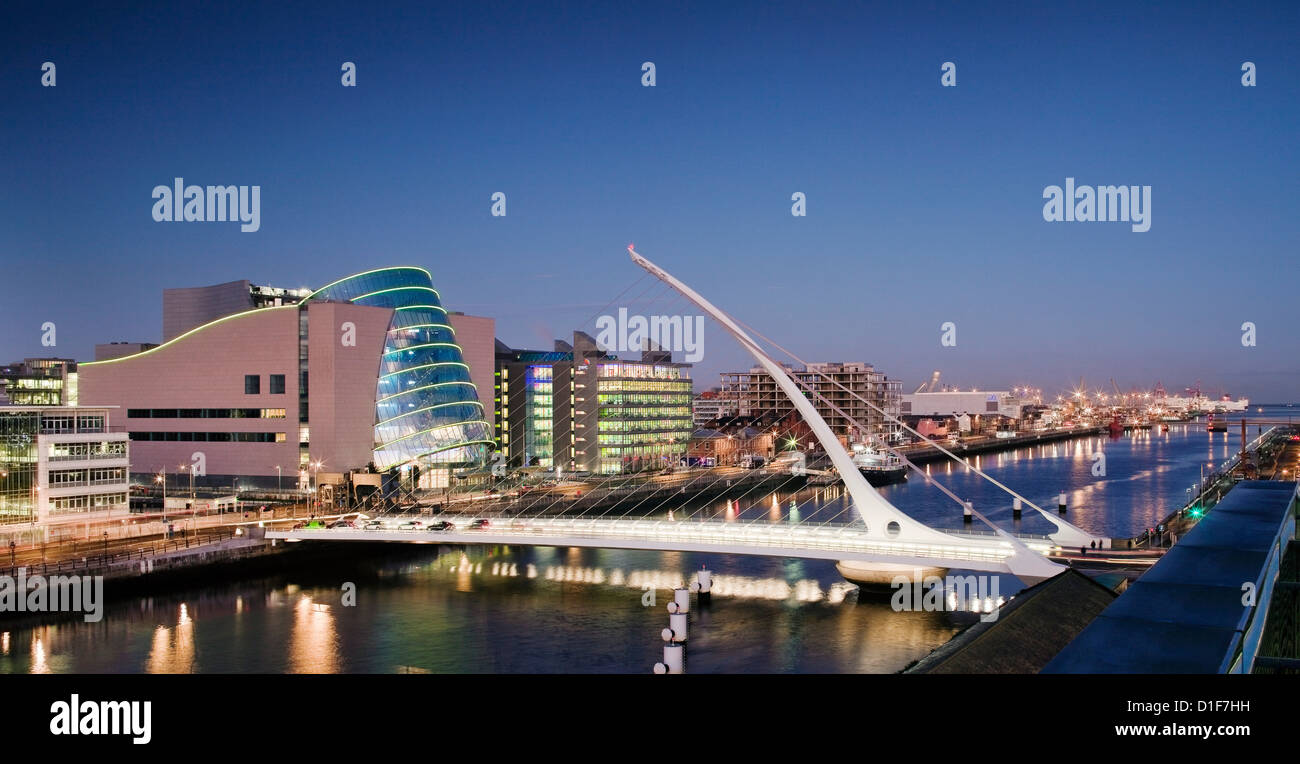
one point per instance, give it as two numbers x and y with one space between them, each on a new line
878 467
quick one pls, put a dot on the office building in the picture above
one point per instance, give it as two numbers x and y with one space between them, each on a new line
579 408
710 407
61 464
39 382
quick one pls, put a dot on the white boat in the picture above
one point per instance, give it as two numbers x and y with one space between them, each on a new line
1225 404
878 467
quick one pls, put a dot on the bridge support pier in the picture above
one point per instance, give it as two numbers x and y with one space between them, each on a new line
879 577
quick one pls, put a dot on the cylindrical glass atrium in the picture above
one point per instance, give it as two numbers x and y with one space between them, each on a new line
427 409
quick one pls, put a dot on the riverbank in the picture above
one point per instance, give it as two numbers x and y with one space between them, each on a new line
230 561
922 453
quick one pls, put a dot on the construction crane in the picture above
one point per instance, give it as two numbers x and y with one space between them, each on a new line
928 387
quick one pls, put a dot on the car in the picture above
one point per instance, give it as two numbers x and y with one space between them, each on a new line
342 524
442 525
374 525
411 525
479 524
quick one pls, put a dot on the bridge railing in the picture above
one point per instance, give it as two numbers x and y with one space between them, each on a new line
841 538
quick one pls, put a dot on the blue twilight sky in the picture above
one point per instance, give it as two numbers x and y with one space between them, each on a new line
924 203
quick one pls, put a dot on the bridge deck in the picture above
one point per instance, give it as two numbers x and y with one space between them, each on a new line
828 542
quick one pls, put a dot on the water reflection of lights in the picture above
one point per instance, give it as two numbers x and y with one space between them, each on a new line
466 570
737 587
39 666
4 643
173 648
312 648
974 604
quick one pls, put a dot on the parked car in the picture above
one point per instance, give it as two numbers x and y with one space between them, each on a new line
479 524
442 525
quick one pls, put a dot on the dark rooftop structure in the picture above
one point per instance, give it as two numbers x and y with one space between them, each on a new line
1029 631
1186 615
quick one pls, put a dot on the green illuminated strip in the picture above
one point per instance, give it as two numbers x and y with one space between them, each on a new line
431 408
396 289
425 345
422 307
448 327
195 330
433 429
366 273
426 366
424 387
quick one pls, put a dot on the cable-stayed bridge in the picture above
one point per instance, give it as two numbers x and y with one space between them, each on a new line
879 542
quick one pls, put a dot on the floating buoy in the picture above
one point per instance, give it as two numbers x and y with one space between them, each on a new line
1015 508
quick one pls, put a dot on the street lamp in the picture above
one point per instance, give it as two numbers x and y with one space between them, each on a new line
302 487
194 510
315 468
161 478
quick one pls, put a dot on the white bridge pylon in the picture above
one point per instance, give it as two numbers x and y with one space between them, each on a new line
882 519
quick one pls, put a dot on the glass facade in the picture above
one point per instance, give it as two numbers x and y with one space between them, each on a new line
97 483
40 382
427 409
644 415
539 430
18 468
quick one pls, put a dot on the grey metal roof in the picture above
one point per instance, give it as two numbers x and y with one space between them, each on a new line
1186 614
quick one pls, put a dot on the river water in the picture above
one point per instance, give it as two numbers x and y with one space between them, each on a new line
547 610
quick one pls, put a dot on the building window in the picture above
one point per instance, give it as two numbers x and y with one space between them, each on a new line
252 384
277 384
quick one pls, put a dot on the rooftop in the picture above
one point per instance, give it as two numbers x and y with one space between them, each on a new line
1186 614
